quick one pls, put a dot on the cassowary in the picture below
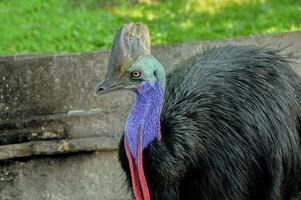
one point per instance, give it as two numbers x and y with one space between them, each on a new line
223 126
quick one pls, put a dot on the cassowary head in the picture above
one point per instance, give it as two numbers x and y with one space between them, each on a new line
132 67
131 62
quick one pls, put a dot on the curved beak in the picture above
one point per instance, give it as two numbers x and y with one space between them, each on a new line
108 85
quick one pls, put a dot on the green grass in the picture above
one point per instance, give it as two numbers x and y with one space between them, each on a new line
56 26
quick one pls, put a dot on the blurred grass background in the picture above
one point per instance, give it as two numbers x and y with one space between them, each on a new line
57 26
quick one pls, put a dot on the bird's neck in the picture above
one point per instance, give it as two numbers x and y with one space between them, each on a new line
143 123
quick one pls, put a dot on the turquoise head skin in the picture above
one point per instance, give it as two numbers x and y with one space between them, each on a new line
151 70
148 68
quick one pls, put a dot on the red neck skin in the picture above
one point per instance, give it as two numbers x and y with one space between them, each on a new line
139 183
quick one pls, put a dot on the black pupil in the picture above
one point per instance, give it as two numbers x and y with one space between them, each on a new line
136 74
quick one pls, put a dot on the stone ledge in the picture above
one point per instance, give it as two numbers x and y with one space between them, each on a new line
54 147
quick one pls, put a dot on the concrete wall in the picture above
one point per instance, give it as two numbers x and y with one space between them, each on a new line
38 92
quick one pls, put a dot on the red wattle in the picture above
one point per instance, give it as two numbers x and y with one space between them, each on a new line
134 173
160 134
141 175
139 183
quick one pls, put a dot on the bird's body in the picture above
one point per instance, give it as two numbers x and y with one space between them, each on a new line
226 125
230 124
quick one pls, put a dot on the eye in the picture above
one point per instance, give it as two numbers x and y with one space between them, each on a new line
136 74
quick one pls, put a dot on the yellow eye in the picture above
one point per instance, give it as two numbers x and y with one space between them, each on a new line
136 74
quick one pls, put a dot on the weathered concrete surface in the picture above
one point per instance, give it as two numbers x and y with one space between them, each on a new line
76 177
35 90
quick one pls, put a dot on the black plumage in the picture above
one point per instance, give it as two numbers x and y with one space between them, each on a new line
231 129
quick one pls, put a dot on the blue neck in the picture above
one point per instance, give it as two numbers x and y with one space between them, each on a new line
143 122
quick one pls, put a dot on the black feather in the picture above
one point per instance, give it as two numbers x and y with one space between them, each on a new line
231 129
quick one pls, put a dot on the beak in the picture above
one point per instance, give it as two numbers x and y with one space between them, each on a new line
108 85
